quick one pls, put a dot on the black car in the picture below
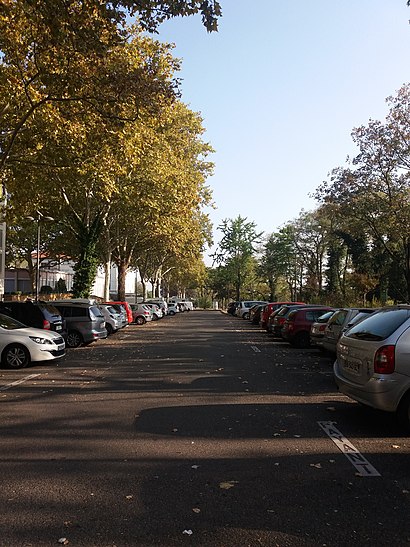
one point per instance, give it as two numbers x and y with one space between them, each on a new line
41 315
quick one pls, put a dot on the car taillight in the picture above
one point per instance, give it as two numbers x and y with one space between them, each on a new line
322 327
384 360
46 324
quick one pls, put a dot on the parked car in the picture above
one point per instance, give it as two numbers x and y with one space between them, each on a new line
372 364
122 313
20 345
113 318
141 314
296 328
270 307
127 307
159 302
340 321
255 313
173 309
85 322
318 328
156 311
280 316
242 309
232 307
41 315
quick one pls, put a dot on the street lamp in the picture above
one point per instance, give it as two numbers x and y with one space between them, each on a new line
39 218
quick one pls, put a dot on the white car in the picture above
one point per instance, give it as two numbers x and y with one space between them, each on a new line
173 309
20 345
113 319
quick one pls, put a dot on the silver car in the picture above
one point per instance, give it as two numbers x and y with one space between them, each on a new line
373 362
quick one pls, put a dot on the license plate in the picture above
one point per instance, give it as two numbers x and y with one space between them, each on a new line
59 327
351 366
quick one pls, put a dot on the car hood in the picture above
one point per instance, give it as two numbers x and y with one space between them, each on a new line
31 331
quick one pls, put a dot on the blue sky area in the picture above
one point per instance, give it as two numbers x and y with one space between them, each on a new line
280 87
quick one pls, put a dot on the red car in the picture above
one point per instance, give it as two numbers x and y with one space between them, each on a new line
296 328
271 307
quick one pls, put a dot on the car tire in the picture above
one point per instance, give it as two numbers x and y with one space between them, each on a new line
109 328
155 317
171 313
140 320
15 356
74 339
403 413
245 315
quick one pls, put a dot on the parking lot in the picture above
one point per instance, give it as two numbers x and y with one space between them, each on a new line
197 429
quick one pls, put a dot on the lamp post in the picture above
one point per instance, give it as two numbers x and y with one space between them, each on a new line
39 218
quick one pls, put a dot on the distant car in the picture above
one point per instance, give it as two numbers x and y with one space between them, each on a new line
113 319
173 309
340 321
280 317
296 328
156 311
20 345
255 313
231 307
318 328
126 306
159 302
373 365
122 314
141 314
242 309
269 308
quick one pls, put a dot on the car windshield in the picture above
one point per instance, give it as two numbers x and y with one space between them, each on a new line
8 323
379 326
325 317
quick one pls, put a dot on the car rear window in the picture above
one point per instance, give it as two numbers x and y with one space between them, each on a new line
380 325
49 309
95 311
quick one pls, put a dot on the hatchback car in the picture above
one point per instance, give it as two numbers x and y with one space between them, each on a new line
279 317
173 309
373 362
156 311
41 315
270 308
242 309
20 345
296 328
127 307
141 313
113 318
85 322
339 322
317 329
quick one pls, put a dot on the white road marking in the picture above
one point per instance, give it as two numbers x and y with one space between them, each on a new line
363 466
255 349
17 382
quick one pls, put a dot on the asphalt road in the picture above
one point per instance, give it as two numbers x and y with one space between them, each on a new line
199 429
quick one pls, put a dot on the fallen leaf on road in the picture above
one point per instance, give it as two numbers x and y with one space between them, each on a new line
317 465
63 541
395 446
196 510
188 532
194 466
331 408
227 485
129 497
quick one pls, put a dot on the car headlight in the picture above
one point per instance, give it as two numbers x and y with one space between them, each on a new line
39 340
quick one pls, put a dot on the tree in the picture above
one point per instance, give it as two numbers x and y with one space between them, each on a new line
237 248
372 194
49 50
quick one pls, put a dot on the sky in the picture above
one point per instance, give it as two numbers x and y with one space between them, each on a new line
280 87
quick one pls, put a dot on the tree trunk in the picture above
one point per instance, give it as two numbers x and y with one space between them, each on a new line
122 272
107 279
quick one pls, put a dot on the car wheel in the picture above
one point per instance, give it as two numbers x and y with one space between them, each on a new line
74 339
155 317
140 320
245 315
109 328
171 313
403 413
15 356
302 340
